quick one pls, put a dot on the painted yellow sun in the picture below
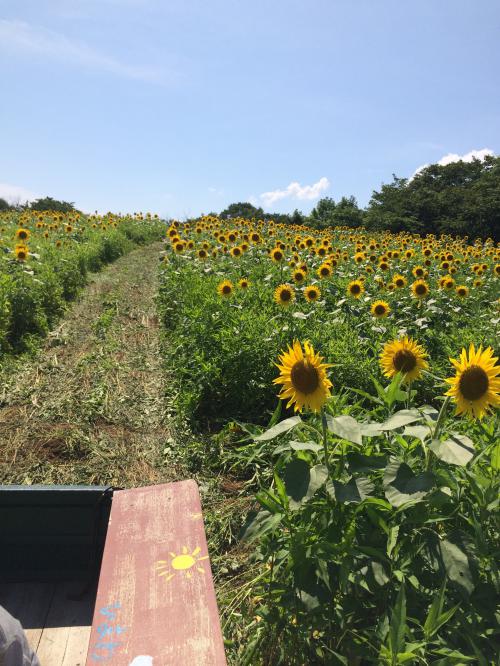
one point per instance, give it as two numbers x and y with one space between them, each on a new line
182 562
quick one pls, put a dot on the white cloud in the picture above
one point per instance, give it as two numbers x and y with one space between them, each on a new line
296 191
14 194
454 157
22 37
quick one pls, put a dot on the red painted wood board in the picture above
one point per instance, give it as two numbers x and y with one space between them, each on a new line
156 601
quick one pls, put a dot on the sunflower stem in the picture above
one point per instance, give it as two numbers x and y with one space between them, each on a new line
438 428
325 439
440 418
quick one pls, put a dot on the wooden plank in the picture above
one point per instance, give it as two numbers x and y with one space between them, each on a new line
77 646
29 603
156 602
65 637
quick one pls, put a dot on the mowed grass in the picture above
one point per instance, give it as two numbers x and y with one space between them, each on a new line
90 406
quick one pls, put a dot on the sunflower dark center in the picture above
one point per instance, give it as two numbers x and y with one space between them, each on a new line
473 383
404 360
285 295
420 289
226 289
304 377
355 289
380 309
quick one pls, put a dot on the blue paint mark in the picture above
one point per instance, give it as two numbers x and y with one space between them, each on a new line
105 648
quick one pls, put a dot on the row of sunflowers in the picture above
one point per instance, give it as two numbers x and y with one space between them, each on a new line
44 260
374 472
346 291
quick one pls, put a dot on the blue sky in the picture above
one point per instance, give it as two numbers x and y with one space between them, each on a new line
183 106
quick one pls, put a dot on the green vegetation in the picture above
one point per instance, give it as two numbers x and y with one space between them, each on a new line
44 261
368 532
361 530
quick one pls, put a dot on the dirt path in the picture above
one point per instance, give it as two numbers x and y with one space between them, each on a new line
90 407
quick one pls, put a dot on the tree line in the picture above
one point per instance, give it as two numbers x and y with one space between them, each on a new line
43 203
461 198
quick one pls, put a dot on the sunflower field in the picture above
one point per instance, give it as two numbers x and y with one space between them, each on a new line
44 261
346 383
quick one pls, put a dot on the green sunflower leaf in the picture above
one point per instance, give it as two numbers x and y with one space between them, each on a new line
279 429
345 427
457 450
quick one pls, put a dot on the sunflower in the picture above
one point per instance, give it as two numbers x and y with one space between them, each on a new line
476 385
355 288
311 293
449 283
405 356
21 253
303 375
298 276
277 255
284 295
420 289
462 291
202 254
225 288
399 281
244 283
324 271
418 271
380 309
236 251
23 234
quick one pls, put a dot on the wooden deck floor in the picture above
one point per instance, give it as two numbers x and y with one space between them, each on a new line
57 619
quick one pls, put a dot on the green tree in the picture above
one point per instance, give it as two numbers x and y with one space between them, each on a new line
297 217
327 213
48 203
322 214
241 209
458 198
